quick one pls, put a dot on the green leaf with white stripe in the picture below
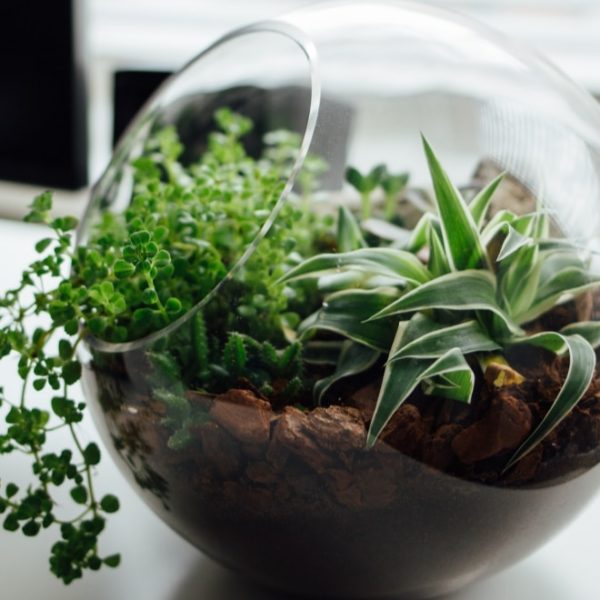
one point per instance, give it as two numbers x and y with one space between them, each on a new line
420 234
349 236
588 330
513 242
353 360
346 313
459 291
456 385
468 336
402 377
563 276
460 234
582 362
480 204
438 263
388 262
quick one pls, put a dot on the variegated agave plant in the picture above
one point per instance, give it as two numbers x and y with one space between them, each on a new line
461 285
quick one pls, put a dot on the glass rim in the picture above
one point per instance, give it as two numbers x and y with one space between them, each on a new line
307 47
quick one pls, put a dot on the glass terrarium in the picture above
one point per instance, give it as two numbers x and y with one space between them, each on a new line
362 242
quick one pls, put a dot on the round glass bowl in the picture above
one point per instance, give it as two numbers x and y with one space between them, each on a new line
278 488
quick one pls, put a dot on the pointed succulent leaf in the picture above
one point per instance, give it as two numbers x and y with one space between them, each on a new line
480 204
458 291
387 231
455 385
346 313
438 263
420 234
349 236
321 352
353 359
582 362
468 336
562 275
389 262
335 282
402 377
513 242
588 330
463 244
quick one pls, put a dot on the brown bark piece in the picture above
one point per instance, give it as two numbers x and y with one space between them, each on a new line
219 450
337 428
365 399
246 417
406 430
291 432
437 449
526 468
503 427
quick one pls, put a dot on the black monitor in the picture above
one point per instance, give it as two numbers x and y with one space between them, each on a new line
43 124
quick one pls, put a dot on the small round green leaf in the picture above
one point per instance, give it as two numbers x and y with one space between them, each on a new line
79 494
91 454
110 504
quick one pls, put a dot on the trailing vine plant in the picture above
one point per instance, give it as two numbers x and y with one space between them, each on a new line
141 269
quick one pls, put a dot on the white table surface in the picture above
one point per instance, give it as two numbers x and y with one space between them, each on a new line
158 565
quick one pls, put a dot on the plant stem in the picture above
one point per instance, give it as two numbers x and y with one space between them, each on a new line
365 202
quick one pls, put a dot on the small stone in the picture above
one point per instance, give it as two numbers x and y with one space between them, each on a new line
405 430
503 427
246 417
526 468
437 449
365 400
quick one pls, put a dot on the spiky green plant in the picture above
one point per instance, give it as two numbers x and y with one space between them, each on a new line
463 285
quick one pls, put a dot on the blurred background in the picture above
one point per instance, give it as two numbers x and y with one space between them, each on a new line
76 71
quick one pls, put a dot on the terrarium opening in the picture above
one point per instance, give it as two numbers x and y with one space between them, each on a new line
254 95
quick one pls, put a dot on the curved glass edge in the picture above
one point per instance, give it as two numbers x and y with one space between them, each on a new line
146 114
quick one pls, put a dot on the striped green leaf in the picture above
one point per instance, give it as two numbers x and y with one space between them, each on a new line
420 234
349 236
388 262
468 336
588 330
464 247
402 377
513 242
562 275
353 360
346 313
438 263
456 385
582 362
480 204
459 291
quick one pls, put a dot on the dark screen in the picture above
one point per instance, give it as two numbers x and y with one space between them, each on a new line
42 107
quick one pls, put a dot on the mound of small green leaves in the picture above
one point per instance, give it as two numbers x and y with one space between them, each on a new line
186 226
462 286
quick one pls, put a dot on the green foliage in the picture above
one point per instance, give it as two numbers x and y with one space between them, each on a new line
484 281
185 228
365 184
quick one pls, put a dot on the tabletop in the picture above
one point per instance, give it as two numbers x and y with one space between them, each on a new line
159 565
